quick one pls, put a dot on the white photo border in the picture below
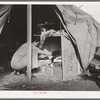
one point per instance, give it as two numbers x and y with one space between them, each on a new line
49 94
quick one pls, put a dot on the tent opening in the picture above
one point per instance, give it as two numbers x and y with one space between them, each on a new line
45 14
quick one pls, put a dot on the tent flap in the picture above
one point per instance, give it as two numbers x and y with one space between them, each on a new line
4 12
84 29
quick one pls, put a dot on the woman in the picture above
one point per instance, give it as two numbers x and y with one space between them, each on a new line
45 33
19 59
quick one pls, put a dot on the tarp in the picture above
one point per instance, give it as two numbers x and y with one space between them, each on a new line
84 31
4 12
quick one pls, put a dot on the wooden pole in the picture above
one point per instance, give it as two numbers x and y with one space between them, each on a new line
63 59
29 40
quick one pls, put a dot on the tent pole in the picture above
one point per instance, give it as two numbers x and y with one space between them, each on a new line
63 58
29 39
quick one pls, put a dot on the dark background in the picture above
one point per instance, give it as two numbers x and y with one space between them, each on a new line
14 33
16 30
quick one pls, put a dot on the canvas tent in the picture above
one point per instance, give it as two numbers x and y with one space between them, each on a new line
83 31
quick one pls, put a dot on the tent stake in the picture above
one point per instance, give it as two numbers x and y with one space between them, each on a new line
29 34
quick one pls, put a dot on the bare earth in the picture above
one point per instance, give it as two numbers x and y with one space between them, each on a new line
42 81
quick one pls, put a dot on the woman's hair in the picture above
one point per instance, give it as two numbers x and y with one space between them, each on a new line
36 39
48 25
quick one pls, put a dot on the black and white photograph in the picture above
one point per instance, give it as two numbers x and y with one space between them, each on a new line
50 47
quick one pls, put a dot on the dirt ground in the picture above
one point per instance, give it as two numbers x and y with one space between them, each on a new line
42 81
